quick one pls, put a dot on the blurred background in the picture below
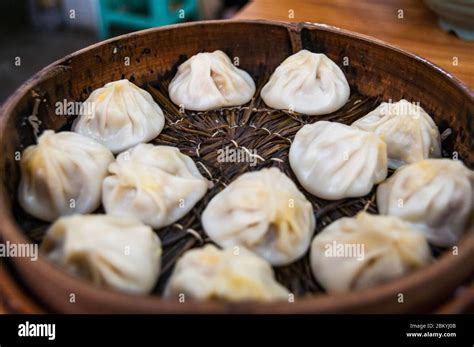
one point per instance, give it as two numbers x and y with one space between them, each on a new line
34 33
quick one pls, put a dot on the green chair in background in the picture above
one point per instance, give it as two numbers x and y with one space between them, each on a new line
142 14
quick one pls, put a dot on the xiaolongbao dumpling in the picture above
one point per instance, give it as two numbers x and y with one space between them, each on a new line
209 273
436 195
208 81
409 132
155 184
62 175
122 116
366 250
335 161
115 252
308 83
263 211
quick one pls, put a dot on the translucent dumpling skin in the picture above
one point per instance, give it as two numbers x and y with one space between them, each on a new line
409 132
366 250
264 212
156 184
62 175
120 115
208 81
209 273
436 195
335 161
308 83
119 253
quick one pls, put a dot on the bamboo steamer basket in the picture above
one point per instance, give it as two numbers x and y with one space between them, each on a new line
375 71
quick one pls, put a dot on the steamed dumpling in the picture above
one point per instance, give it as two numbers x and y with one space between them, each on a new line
122 116
208 81
366 250
119 253
436 195
409 132
308 83
209 273
335 161
62 175
265 212
155 184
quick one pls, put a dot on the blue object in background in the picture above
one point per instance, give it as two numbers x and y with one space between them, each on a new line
142 14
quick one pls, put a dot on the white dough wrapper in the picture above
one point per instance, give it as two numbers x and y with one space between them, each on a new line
209 273
114 252
62 175
156 184
409 132
335 161
308 83
366 250
436 195
120 115
264 212
208 81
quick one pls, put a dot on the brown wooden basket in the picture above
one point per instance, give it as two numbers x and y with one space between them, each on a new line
375 72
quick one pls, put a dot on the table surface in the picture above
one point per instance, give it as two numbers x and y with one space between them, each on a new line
417 32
